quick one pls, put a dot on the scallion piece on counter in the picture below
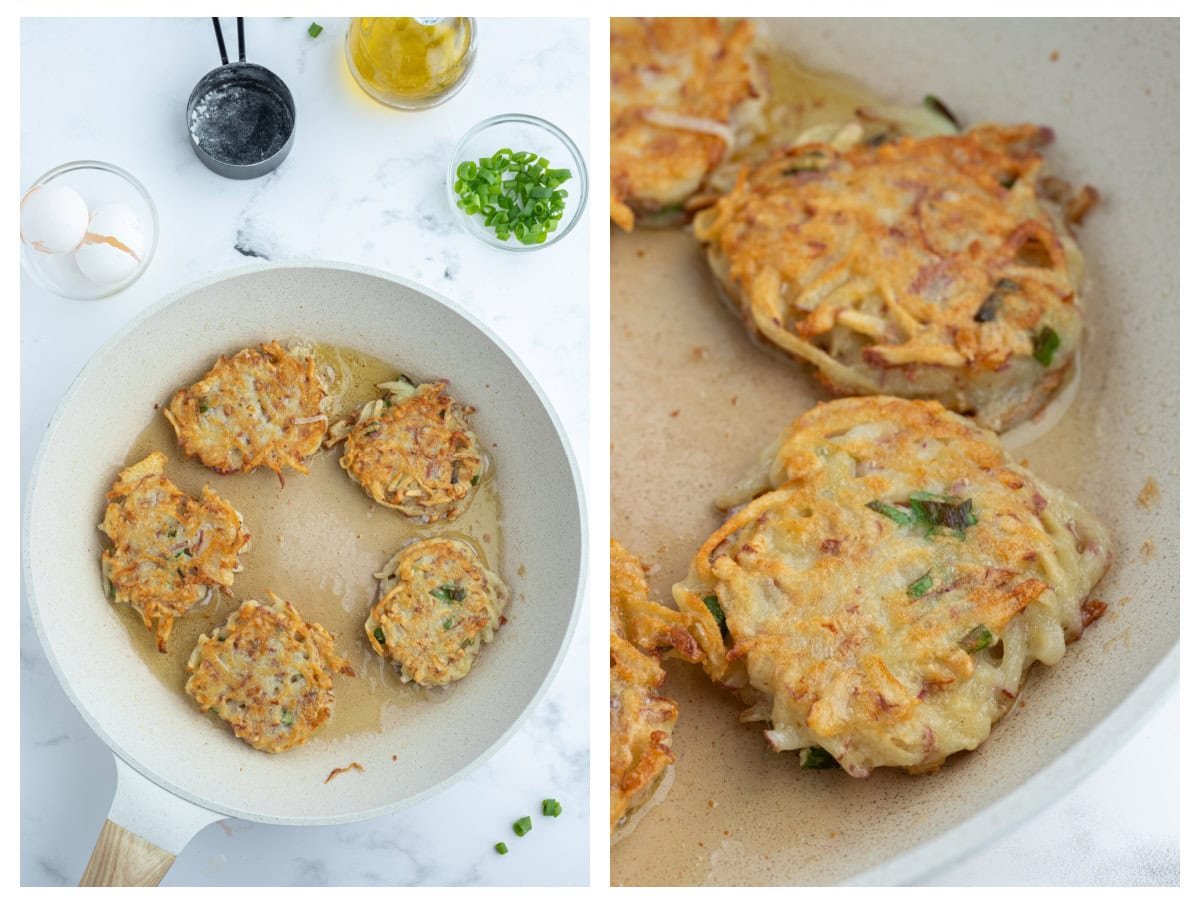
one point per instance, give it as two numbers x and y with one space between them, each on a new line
314 30
516 193
551 808
502 848
523 826
1044 345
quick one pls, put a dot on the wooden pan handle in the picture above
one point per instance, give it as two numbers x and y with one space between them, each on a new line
122 858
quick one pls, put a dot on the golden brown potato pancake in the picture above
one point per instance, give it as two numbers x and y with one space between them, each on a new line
260 407
413 450
438 605
886 578
640 721
267 672
938 267
685 94
169 550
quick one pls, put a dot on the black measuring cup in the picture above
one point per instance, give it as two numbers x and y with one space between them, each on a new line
240 117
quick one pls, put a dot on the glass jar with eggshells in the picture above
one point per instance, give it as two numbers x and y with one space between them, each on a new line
88 230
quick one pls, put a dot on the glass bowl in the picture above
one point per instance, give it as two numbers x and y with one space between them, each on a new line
99 184
520 132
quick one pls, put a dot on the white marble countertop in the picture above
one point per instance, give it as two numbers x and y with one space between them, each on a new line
363 184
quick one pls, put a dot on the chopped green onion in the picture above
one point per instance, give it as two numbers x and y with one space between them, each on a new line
378 634
515 192
522 826
816 757
286 718
892 513
450 593
714 608
474 480
920 586
934 511
112 592
946 512
977 640
448 623
314 30
501 848
551 808
1044 345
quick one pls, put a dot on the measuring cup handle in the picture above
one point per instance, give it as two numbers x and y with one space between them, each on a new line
146 828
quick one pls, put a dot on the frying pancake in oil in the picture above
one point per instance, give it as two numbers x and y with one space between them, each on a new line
169 550
940 268
640 721
267 672
885 578
413 450
686 94
262 406
438 605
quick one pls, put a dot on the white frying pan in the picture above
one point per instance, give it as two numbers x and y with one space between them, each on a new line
177 772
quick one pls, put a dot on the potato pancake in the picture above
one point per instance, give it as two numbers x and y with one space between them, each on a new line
939 267
685 95
260 407
413 450
267 672
640 721
169 550
437 606
885 579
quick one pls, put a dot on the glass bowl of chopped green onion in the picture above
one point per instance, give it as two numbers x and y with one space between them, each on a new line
517 182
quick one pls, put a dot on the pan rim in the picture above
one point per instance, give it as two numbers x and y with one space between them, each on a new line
1037 793
48 649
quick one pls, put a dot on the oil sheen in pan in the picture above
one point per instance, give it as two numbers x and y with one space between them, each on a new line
316 542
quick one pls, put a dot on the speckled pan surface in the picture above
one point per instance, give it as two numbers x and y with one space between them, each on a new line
694 400
153 727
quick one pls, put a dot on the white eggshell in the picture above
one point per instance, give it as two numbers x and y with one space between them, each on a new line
54 219
113 245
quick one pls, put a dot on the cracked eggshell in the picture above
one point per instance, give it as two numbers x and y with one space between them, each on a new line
54 219
113 244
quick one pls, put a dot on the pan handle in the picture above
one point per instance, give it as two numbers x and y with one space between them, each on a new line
146 828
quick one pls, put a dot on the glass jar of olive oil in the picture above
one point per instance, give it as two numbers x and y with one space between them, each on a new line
411 63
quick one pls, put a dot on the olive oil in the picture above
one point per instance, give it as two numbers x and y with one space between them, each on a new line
411 63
